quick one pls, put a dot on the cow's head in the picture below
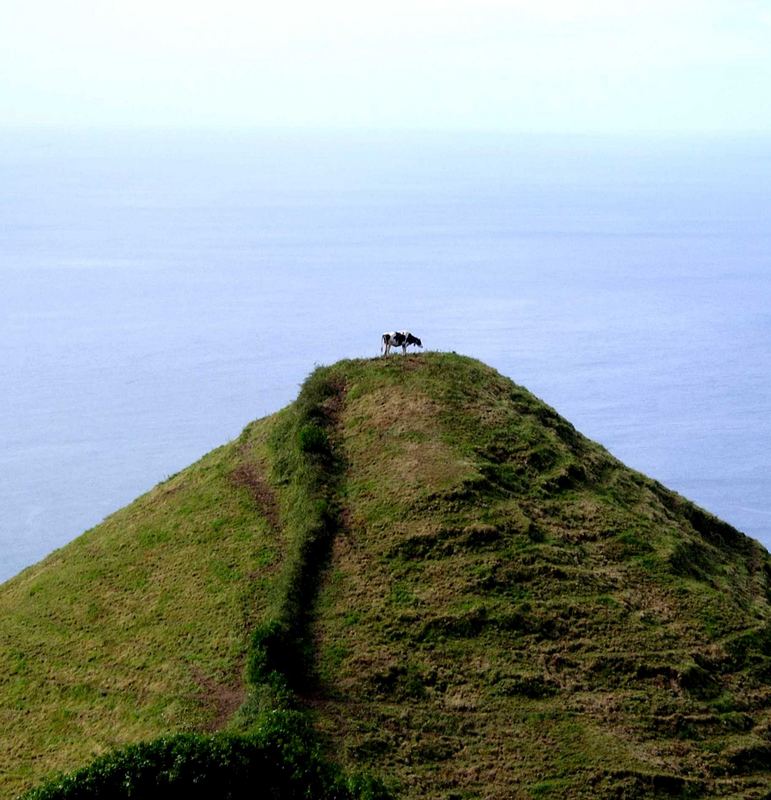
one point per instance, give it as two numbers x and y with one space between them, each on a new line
414 340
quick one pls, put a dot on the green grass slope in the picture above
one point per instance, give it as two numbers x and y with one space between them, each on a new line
140 627
511 612
456 589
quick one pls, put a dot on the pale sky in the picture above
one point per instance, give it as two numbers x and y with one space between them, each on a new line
500 65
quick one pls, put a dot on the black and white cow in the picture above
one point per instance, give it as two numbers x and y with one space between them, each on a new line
398 339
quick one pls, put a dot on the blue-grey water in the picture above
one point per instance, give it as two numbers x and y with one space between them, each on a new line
160 290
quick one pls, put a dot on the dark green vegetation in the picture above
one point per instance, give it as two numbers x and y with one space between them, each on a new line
428 566
280 760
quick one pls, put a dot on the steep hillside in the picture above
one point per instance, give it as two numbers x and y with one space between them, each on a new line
510 611
140 627
460 592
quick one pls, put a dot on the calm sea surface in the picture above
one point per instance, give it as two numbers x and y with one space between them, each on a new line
159 291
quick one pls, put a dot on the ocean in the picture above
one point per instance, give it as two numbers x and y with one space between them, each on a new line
160 289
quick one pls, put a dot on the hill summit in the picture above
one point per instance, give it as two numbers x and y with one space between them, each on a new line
459 593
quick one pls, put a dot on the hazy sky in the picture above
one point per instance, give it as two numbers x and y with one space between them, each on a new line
522 65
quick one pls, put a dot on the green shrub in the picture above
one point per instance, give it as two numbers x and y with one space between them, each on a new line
281 760
313 439
269 652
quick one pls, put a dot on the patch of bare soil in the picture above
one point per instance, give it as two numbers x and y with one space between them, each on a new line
248 476
223 698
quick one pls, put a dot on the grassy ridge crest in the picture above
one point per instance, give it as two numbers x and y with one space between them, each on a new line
306 466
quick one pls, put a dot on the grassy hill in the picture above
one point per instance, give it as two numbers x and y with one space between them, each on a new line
460 592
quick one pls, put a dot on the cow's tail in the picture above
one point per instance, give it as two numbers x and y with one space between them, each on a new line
382 345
